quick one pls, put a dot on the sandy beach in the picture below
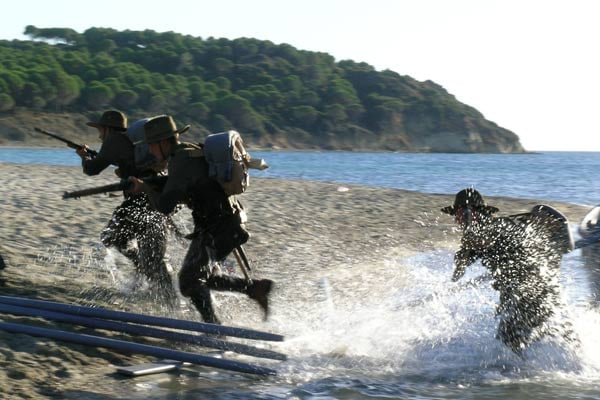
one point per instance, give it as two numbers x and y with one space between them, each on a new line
300 231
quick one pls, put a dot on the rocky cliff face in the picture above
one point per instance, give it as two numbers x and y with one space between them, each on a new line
471 135
465 135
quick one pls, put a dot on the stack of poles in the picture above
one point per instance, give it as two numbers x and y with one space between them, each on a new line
126 322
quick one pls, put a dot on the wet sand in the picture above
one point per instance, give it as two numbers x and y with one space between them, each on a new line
299 229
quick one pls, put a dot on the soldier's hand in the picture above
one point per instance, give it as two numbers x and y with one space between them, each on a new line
459 272
137 185
83 151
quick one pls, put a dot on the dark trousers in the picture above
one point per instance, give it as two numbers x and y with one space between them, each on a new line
525 308
136 220
196 279
521 314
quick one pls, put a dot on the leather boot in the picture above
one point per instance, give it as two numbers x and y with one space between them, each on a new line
259 291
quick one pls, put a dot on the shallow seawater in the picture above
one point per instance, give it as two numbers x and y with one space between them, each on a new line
348 336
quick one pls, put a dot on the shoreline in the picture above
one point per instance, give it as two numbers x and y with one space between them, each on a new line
371 208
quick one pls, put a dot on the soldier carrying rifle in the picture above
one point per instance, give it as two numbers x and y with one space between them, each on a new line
135 229
218 217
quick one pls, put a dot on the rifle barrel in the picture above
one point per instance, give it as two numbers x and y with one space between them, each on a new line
124 184
113 187
68 142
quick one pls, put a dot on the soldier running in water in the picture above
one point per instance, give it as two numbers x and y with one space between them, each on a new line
523 253
218 218
135 229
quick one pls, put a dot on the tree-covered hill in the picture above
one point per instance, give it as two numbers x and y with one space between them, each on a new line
275 95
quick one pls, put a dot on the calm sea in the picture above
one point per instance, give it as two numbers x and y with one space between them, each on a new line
417 335
557 176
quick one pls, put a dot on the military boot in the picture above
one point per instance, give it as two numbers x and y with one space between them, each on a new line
259 291
201 299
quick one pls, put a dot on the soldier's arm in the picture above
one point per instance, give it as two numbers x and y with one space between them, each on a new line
174 191
164 201
462 259
106 156
94 166
167 200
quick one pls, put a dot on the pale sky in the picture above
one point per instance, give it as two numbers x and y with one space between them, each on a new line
531 66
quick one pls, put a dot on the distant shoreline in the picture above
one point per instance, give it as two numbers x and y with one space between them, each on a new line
279 150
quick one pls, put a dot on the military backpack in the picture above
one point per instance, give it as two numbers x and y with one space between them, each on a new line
141 151
228 161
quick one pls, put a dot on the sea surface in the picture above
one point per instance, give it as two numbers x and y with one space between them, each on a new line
557 176
426 338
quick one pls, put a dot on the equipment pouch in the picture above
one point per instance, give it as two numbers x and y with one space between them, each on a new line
228 234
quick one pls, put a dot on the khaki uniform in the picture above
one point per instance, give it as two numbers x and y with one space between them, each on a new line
134 218
217 226
116 150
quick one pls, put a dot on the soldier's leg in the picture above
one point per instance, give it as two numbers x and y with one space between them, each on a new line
152 243
257 289
224 238
118 233
192 277
526 314
511 330
150 230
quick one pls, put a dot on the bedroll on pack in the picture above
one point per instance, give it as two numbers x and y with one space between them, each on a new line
143 158
228 161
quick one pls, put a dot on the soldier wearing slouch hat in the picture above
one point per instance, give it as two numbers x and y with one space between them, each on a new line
219 219
135 229
523 254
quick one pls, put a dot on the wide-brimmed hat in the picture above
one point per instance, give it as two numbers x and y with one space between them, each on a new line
111 119
161 127
472 199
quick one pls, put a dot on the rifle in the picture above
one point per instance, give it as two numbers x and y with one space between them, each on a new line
69 143
124 184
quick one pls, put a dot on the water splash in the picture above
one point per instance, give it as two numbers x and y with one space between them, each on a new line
396 325
425 328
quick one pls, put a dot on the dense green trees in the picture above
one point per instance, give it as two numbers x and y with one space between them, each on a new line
255 86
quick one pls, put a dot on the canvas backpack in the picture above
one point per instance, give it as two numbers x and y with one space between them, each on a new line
553 221
228 161
141 151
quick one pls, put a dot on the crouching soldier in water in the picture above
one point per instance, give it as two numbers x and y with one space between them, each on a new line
523 254
134 218
218 225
